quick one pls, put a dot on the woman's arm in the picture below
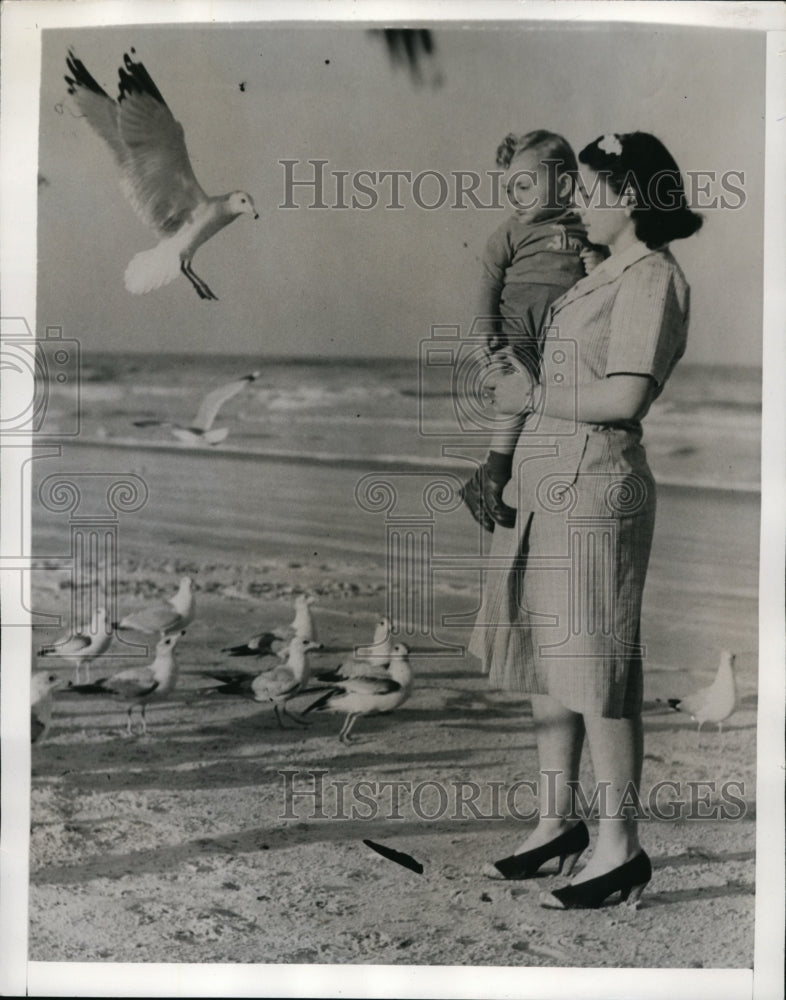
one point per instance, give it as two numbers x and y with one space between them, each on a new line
604 400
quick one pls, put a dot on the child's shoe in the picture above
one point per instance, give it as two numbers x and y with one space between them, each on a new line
483 496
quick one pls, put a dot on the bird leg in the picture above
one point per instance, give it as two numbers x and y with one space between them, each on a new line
349 722
202 289
144 722
129 730
278 718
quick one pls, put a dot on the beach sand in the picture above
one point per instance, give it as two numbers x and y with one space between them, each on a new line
183 847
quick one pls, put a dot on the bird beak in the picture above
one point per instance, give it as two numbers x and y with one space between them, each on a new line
256 215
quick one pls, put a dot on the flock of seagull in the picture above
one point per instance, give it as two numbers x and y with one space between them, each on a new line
377 682
376 679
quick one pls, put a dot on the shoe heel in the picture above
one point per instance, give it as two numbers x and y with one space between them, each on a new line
632 896
567 862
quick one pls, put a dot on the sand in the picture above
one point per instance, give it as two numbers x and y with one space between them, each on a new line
182 846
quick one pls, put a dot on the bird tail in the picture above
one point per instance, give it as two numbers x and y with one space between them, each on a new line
675 703
320 702
152 268
97 687
46 651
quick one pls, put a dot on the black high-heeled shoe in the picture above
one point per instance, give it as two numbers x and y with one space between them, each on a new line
628 879
568 847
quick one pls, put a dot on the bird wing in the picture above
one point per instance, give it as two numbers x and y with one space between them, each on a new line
350 669
370 685
137 682
158 178
67 647
96 105
695 702
274 684
214 400
154 619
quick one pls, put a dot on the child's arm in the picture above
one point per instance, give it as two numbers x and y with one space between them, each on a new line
487 310
496 261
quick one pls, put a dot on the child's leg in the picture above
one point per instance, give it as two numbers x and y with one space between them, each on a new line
483 492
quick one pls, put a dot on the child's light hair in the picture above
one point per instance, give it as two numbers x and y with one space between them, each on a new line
551 147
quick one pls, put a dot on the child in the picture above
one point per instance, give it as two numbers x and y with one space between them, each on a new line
530 260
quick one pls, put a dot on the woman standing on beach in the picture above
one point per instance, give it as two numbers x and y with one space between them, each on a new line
561 609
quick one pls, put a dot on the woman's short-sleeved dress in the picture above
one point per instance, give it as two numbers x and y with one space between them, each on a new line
562 595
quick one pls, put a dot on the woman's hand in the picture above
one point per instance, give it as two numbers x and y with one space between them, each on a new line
512 384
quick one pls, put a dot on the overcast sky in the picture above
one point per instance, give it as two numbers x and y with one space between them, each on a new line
372 282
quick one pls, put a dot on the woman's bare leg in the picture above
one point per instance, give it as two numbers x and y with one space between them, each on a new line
560 736
617 749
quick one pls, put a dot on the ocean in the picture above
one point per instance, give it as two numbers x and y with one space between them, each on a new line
704 431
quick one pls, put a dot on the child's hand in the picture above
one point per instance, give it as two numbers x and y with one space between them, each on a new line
590 258
512 384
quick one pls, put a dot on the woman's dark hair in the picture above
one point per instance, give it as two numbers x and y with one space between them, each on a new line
552 147
639 162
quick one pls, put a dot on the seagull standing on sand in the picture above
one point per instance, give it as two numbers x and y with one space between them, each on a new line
201 431
717 701
381 650
170 615
84 645
141 685
359 696
276 641
42 685
149 147
283 683
270 647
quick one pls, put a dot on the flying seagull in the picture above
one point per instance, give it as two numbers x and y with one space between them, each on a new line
82 646
359 696
717 701
201 431
149 147
140 685
169 615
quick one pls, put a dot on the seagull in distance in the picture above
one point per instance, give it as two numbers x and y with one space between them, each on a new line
149 147
140 685
83 645
201 430
373 695
164 617
380 650
717 701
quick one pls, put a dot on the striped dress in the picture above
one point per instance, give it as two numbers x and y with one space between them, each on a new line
562 594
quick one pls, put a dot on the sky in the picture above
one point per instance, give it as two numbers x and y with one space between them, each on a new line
372 282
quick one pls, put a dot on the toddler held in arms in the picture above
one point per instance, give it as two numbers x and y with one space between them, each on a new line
534 256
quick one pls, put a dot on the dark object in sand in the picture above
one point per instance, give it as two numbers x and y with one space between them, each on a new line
406 860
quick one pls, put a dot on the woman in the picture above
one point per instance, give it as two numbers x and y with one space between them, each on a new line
561 609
